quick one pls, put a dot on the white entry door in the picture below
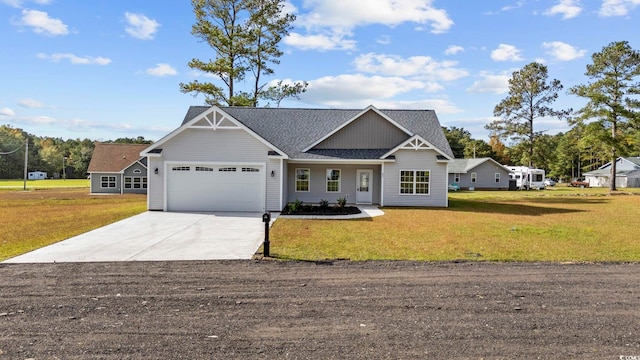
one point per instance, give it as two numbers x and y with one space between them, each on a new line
364 188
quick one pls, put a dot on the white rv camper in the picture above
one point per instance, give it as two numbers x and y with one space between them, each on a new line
527 178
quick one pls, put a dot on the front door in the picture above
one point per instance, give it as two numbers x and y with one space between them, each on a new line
364 188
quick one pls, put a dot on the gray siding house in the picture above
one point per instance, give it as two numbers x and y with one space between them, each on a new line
260 159
118 169
479 174
627 174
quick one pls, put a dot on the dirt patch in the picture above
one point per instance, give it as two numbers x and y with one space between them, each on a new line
269 309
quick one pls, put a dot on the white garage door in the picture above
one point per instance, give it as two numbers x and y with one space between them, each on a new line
215 188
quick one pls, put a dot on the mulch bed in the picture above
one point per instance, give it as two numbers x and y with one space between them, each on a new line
318 211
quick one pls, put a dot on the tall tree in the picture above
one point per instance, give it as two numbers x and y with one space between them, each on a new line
244 35
613 96
530 97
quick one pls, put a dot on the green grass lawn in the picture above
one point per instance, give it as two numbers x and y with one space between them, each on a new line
560 224
44 184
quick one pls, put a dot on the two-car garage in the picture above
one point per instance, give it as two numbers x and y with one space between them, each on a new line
203 187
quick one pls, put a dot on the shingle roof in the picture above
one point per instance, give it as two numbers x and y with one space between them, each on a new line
108 157
293 130
462 166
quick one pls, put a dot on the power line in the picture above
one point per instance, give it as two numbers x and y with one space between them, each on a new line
11 152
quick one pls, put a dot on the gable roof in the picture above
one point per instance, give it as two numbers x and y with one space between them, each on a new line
295 130
462 166
108 157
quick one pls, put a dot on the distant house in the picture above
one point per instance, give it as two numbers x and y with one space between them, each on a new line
627 174
479 174
37 175
118 169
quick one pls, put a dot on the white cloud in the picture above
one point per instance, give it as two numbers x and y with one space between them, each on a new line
567 8
617 7
140 27
42 23
506 52
30 103
7 112
334 90
453 49
76 60
162 69
414 66
490 83
342 14
563 51
319 42
18 3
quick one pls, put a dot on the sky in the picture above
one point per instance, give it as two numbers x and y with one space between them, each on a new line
106 69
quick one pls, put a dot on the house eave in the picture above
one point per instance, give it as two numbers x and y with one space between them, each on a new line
342 161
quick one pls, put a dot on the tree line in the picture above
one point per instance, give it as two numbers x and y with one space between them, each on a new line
48 154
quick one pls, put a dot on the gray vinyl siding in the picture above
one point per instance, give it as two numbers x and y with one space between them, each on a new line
318 184
485 179
370 131
130 172
96 183
415 160
155 184
220 146
273 185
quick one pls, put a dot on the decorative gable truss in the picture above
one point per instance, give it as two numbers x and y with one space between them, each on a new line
418 143
213 119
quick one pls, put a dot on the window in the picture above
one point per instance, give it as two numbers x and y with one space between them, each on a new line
497 177
203 168
107 181
137 171
456 178
248 169
414 182
135 182
302 180
333 180
181 168
227 169
474 177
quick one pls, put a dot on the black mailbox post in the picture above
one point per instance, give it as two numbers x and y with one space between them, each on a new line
266 219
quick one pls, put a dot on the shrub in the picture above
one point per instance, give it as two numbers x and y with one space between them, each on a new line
341 203
324 204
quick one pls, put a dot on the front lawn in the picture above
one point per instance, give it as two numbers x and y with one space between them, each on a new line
560 224
44 184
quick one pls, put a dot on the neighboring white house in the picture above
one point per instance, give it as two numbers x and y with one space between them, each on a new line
257 159
37 175
627 174
479 174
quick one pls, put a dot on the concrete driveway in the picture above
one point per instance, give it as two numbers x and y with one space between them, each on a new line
157 236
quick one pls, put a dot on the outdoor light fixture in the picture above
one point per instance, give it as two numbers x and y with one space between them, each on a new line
155 171
273 173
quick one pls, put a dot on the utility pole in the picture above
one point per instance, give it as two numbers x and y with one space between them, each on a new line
26 161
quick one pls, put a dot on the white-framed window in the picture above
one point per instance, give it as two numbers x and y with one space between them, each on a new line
204 168
456 178
414 182
333 180
107 182
181 168
474 178
137 171
497 177
135 182
302 180
250 169
227 169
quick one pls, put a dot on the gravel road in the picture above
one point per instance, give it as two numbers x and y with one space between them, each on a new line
335 310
